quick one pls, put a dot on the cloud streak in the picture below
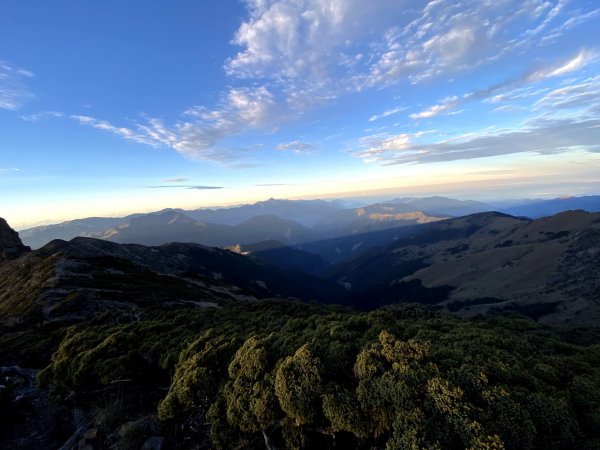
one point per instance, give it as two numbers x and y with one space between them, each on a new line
185 187
13 87
387 113
176 180
199 135
494 93
4 170
541 136
297 147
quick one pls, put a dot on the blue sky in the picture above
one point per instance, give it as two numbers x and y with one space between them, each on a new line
113 107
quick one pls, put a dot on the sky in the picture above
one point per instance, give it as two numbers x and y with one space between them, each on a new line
108 108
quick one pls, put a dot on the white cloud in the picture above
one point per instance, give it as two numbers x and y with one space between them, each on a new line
436 110
200 134
573 64
304 38
143 134
242 109
377 146
13 89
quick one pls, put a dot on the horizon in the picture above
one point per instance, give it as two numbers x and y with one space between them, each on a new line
347 202
108 110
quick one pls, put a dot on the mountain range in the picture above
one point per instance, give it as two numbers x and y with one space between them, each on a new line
541 208
292 222
483 263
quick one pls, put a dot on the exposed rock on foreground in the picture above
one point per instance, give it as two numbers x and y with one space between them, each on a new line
10 243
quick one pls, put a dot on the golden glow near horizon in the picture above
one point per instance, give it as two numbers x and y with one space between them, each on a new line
531 175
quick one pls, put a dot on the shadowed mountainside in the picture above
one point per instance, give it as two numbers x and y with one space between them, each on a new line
485 263
279 254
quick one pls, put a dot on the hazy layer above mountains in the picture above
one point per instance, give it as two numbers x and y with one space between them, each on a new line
289 221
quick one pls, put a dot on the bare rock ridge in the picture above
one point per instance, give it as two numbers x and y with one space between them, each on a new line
10 244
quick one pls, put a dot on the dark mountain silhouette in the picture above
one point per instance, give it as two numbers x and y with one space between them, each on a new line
10 244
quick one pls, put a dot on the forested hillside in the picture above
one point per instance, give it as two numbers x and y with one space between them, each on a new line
282 374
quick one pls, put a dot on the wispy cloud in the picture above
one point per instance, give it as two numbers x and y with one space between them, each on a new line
271 184
584 94
541 136
387 113
13 87
5 170
199 134
42 115
436 110
571 65
512 89
297 147
142 134
175 180
201 188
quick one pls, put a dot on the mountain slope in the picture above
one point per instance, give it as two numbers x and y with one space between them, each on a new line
279 254
488 262
305 212
198 262
167 226
375 217
39 236
270 227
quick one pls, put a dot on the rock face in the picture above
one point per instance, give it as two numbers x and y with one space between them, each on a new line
10 244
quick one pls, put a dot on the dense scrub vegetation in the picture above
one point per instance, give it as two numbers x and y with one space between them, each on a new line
275 374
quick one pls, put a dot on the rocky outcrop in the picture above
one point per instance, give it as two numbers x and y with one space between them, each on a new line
10 244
